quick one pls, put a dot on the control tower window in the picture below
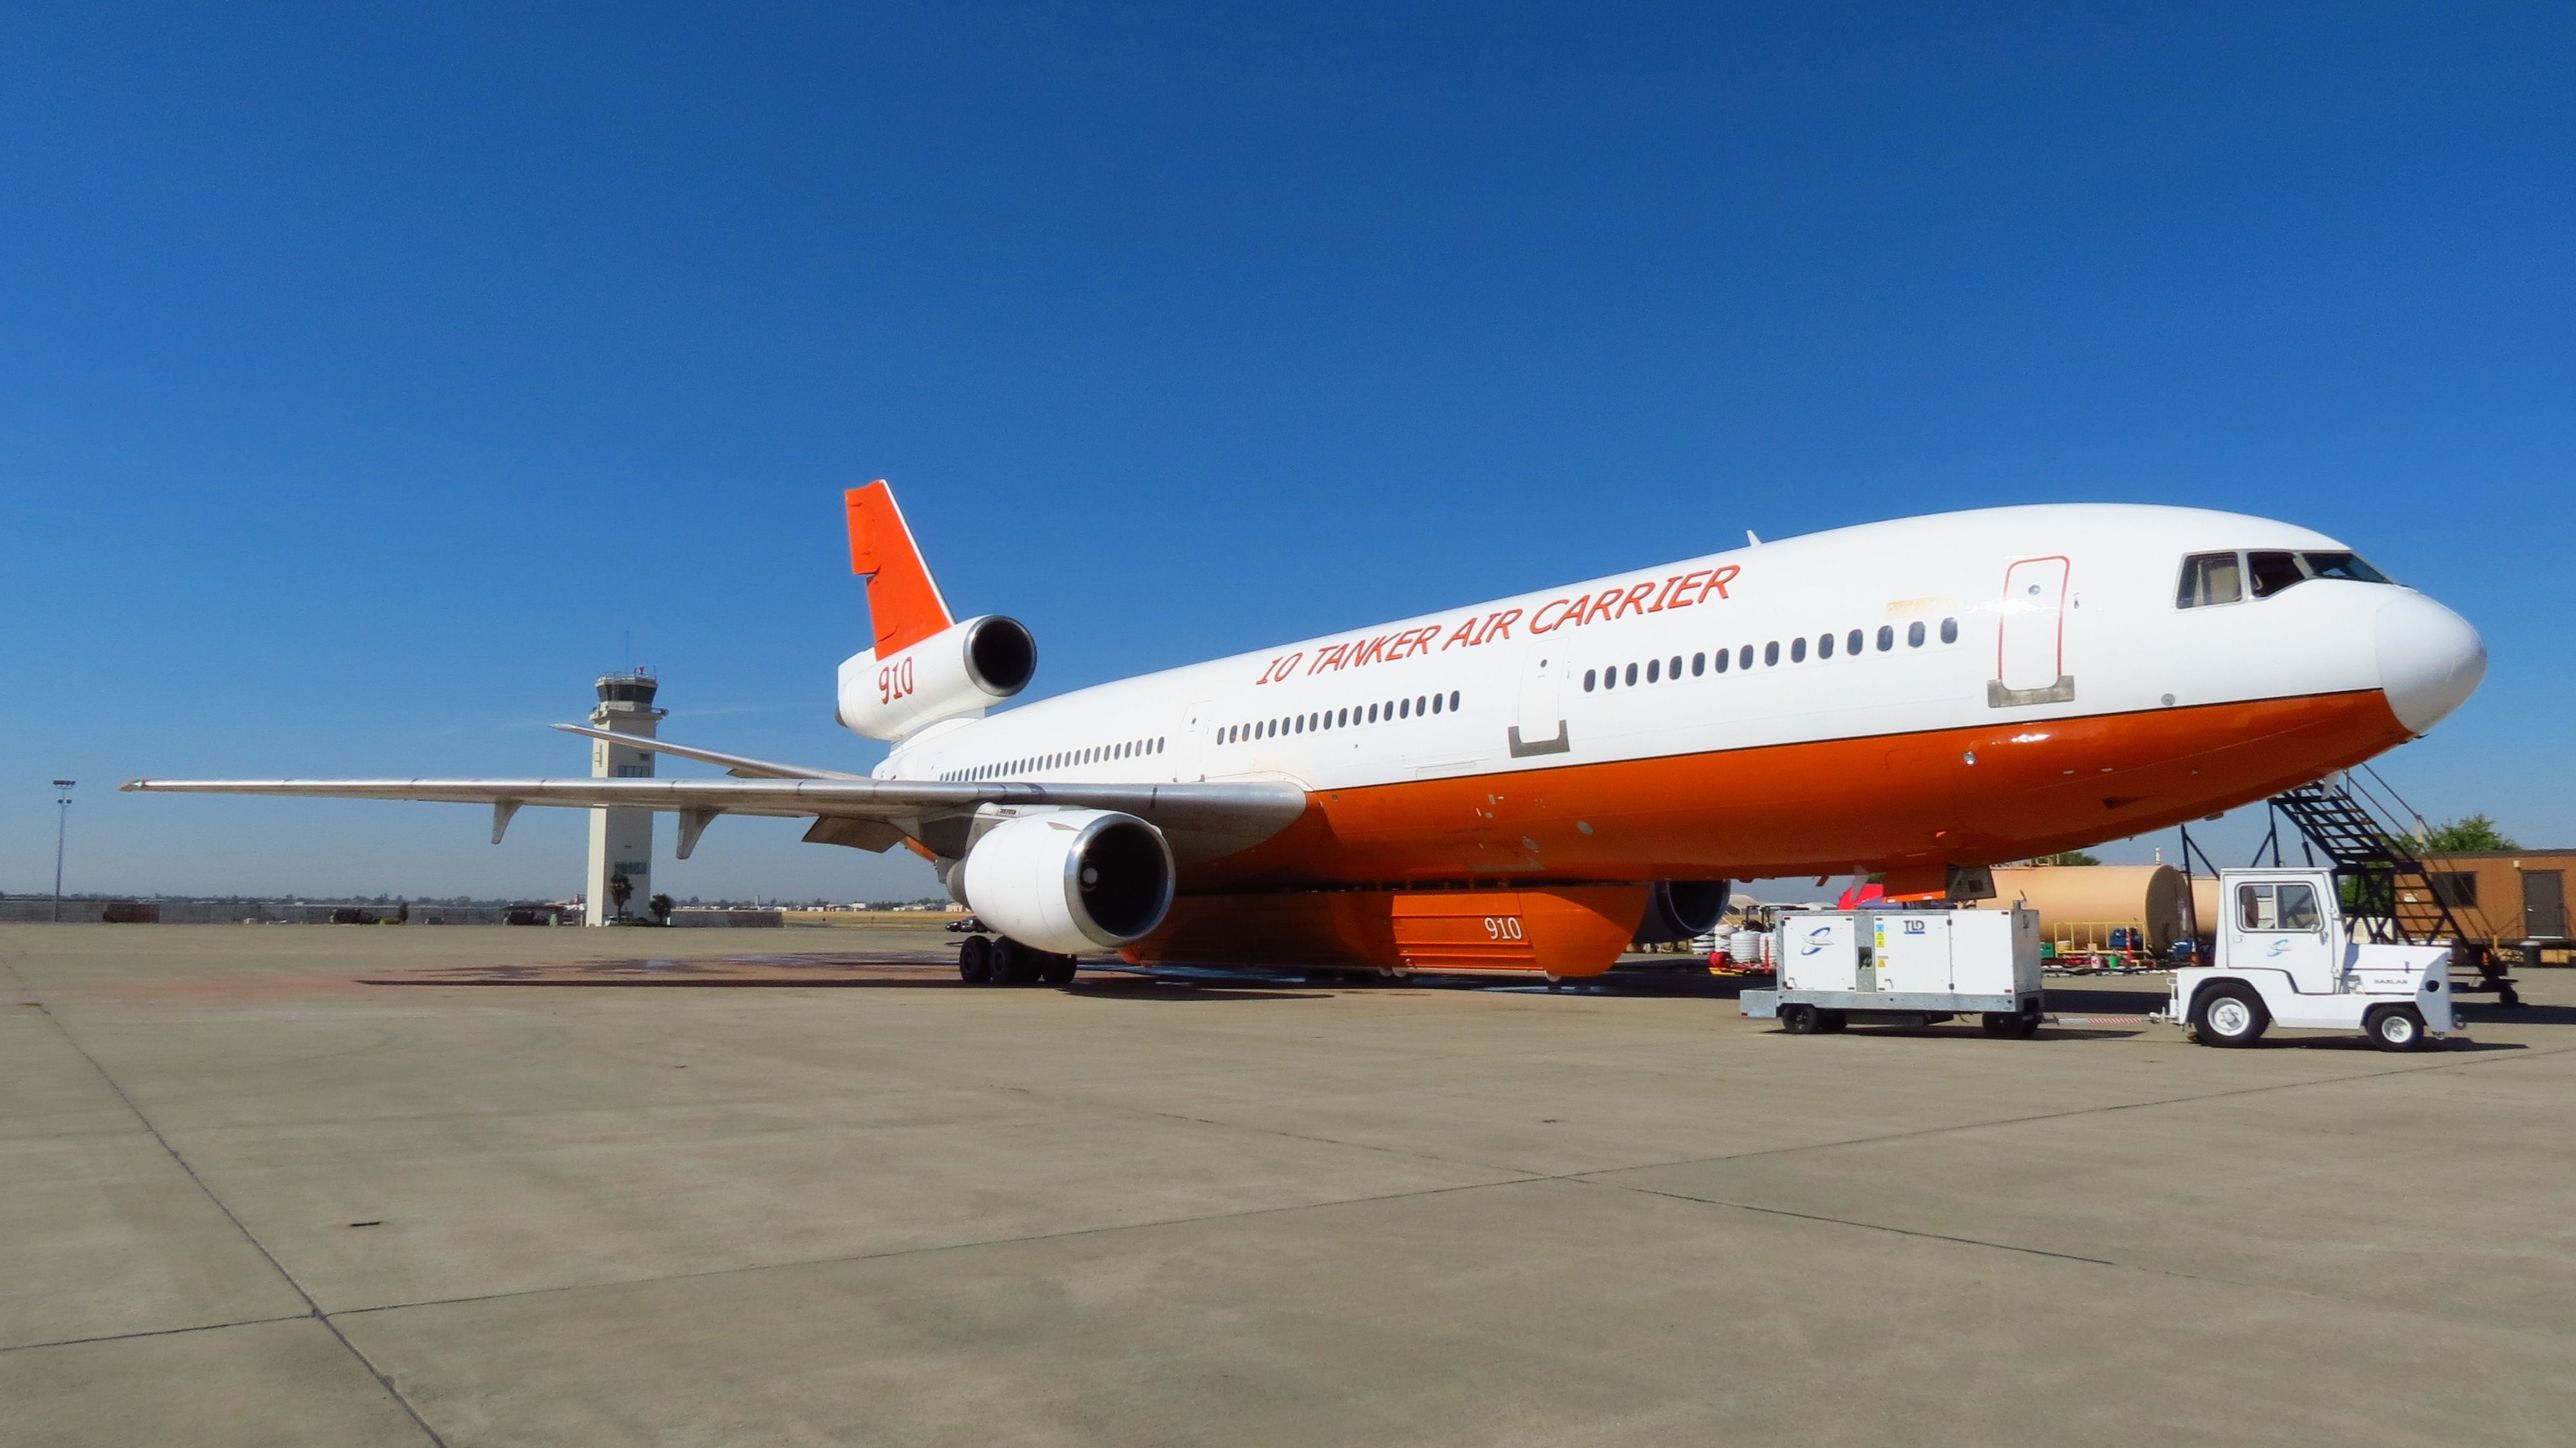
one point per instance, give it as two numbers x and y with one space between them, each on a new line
2208 579
2273 572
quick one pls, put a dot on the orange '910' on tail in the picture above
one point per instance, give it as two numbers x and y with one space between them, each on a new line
904 604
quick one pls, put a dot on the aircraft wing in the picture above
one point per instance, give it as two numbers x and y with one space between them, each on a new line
737 765
1203 821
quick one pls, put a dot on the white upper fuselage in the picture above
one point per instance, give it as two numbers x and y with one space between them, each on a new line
2102 618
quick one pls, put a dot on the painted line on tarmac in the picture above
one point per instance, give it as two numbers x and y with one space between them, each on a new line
313 1309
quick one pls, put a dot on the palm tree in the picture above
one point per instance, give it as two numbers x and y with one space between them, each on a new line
620 890
660 905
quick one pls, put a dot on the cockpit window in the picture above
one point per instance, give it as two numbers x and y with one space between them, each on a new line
2341 565
2209 578
2273 572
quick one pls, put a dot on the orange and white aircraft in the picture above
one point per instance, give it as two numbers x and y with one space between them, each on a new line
1532 783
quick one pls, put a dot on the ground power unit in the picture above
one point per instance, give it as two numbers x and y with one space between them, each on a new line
1904 967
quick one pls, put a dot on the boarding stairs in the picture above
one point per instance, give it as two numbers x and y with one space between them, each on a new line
2387 889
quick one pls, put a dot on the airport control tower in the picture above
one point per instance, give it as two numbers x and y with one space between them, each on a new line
621 840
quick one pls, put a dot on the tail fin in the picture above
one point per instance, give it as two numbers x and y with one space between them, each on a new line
903 603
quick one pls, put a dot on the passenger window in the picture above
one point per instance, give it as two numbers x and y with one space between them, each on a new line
1589 676
1949 630
1914 634
2273 572
1886 638
1610 677
1724 657
1404 708
1798 649
1699 665
1435 703
1654 671
1453 701
2208 579
1824 646
2341 565
1851 642
1771 654
1417 706
1631 678
1674 670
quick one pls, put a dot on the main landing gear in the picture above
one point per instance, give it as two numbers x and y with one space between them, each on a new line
984 960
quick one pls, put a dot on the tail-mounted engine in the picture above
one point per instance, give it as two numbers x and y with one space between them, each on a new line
960 671
1068 881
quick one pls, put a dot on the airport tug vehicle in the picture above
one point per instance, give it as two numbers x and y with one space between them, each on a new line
2286 955
1904 967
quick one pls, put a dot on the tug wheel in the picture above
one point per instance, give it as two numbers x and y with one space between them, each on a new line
2397 1028
2230 1015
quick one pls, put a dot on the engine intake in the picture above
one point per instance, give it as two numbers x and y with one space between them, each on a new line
1068 881
963 669
1681 910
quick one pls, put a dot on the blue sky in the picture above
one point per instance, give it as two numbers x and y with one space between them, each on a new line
373 374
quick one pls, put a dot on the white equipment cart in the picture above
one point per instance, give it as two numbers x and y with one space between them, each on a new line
1911 967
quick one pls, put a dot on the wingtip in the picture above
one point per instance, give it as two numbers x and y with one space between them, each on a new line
131 785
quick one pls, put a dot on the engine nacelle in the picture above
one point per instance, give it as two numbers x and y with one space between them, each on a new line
963 669
1068 881
1681 910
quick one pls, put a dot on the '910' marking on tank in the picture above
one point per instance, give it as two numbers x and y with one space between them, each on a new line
1502 927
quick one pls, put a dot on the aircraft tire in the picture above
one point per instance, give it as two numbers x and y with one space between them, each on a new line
975 960
1010 962
1058 970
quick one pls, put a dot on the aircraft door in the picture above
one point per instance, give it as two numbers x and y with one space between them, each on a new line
1194 739
1540 725
2030 653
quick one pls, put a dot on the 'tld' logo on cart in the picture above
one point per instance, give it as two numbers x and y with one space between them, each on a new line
1913 927
1818 939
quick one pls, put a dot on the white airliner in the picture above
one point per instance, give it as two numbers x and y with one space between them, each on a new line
1532 783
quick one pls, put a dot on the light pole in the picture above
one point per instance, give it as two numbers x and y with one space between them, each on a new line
62 818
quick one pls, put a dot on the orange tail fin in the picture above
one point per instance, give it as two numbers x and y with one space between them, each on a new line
903 603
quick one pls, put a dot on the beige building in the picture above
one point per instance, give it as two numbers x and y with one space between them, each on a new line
2500 896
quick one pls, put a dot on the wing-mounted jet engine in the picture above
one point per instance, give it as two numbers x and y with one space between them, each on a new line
1071 881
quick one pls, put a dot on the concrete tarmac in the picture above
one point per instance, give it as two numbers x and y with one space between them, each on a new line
247 1198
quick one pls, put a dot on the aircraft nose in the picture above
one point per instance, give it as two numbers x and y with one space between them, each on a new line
2429 659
